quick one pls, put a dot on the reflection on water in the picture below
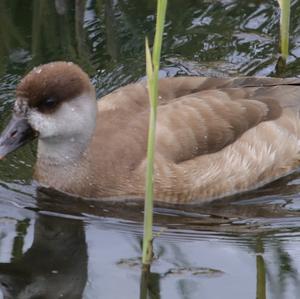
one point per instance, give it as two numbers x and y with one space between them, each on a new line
96 247
55 265
52 246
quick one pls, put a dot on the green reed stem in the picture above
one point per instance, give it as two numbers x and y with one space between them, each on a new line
152 68
284 27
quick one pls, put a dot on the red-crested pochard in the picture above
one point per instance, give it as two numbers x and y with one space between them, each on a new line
215 136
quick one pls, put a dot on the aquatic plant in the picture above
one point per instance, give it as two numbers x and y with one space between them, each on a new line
284 27
285 8
152 68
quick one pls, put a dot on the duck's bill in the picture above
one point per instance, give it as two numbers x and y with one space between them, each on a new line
17 133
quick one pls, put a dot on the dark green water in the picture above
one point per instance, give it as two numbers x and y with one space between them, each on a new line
53 247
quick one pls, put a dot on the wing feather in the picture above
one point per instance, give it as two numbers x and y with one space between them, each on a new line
204 123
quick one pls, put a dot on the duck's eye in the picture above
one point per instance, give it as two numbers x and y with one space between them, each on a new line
47 104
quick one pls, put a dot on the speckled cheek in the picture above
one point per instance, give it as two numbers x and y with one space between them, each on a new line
43 124
21 107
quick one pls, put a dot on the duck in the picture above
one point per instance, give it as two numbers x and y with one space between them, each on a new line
214 136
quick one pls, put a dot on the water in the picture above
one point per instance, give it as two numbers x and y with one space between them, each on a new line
53 246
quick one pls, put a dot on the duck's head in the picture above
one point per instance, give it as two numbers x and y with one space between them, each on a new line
57 103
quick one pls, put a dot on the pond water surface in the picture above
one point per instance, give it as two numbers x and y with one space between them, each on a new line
53 246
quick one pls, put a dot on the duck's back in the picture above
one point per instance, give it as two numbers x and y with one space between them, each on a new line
214 136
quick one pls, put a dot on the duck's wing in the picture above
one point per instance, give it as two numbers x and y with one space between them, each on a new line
199 115
207 121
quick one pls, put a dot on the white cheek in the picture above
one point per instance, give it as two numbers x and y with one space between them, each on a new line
66 121
44 124
71 119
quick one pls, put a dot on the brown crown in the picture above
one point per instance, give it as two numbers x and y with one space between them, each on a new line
59 80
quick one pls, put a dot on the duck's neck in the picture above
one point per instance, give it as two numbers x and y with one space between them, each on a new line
63 164
62 151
